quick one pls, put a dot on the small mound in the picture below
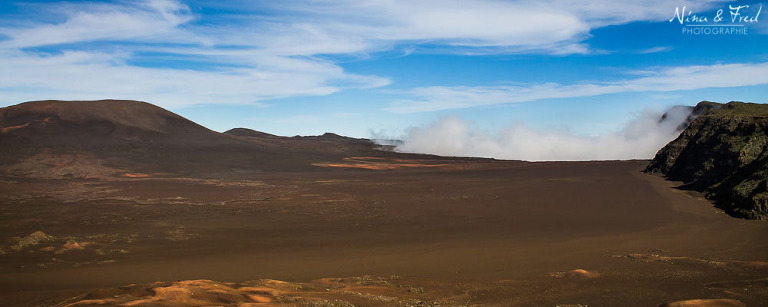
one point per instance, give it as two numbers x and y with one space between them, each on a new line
245 132
72 245
35 238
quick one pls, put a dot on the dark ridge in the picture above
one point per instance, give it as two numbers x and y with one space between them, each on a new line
245 132
328 136
692 111
724 153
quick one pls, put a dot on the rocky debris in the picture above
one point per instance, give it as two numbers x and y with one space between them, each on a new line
38 237
575 274
740 287
47 164
371 297
179 235
46 251
705 303
366 280
723 153
34 239
726 264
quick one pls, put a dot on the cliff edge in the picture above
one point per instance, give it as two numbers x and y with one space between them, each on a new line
724 153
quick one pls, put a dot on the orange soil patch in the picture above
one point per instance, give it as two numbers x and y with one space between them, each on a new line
376 163
706 303
11 128
136 175
72 245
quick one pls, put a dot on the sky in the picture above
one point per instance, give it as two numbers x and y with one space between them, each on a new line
580 74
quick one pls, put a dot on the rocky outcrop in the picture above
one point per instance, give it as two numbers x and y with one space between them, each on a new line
724 153
690 113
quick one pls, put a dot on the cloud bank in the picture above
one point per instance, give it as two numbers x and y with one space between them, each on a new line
640 138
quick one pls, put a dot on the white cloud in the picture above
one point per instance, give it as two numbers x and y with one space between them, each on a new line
599 13
656 49
484 26
277 48
638 139
84 75
144 20
662 80
348 26
75 69
95 45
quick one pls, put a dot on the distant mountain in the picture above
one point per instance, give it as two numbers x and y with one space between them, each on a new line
53 139
724 153
327 143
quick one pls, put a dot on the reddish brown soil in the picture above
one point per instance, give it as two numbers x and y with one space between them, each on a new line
488 233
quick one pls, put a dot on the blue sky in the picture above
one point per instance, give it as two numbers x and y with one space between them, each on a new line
373 68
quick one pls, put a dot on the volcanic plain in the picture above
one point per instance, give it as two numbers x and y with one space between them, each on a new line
332 221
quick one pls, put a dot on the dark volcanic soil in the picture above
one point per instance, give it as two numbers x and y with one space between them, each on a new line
495 233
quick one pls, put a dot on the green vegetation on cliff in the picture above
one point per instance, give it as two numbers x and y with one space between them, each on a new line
724 153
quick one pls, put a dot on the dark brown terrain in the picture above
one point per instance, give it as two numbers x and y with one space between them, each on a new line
144 208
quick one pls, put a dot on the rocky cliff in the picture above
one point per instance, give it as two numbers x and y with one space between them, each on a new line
724 153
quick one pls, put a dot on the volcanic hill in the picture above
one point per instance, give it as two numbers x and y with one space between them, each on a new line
724 153
60 139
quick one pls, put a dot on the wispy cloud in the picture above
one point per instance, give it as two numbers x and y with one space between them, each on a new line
485 26
95 51
661 80
149 20
83 50
656 49
88 75
600 13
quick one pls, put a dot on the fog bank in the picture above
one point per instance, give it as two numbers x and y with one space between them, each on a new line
640 138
